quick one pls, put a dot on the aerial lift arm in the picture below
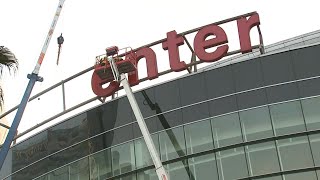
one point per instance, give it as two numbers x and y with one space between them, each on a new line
118 69
33 77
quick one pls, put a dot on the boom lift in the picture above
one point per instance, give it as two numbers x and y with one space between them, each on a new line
114 66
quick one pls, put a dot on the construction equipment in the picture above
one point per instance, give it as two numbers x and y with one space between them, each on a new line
33 77
113 66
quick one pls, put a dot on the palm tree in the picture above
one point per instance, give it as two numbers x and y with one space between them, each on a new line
7 60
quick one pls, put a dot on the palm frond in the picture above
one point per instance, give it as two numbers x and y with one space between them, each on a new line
8 60
1 98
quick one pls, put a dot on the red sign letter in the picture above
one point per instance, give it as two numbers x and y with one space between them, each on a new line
172 43
244 27
152 67
201 44
96 84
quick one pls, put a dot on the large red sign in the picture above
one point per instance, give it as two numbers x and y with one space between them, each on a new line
172 43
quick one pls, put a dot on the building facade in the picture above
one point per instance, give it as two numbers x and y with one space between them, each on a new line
253 119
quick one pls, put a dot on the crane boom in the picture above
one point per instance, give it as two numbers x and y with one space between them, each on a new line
33 77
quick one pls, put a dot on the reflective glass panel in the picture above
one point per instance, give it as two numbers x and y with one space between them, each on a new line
146 101
277 68
287 118
269 178
315 147
43 177
251 99
232 164
256 123
192 89
167 96
179 170
198 137
204 167
123 159
60 174
195 112
219 82
142 154
147 175
172 143
128 177
309 87
226 130
295 153
79 170
311 112
100 165
283 92
262 158
247 74
302 175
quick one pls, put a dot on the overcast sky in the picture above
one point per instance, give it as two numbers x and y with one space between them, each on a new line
89 27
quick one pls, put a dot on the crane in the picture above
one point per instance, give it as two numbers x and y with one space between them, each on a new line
33 77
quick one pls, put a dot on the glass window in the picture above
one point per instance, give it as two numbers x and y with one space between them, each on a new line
226 130
262 158
277 68
147 175
295 153
161 122
309 87
69 155
302 175
219 82
123 159
192 89
100 165
232 164
223 105
305 62
128 177
252 99
256 123
269 178
247 74
287 118
195 112
116 113
179 170
146 101
122 134
282 93
67 133
59 174
142 154
315 147
311 112
203 167
172 143
198 137
100 142
45 177
29 151
167 96
79 170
